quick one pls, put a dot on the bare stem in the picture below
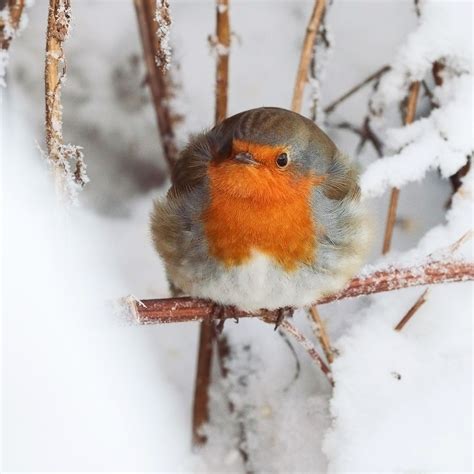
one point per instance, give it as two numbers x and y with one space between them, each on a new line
158 81
308 347
376 75
429 272
205 351
306 53
321 333
418 304
393 204
222 46
203 379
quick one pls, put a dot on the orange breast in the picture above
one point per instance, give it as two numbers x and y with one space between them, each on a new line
278 223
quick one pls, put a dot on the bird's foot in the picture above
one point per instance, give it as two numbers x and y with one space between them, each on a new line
218 315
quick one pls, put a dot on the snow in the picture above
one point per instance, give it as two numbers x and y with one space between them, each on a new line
82 389
422 420
86 389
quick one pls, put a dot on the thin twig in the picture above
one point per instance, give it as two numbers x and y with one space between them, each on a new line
306 53
203 379
61 156
158 80
321 333
376 75
222 46
393 204
308 346
205 351
418 304
429 272
461 241
365 133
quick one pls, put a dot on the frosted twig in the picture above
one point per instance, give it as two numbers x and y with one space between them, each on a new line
306 53
376 75
429 272
62 157
393 204
418 304
159 83
163 21
308 347
321 333
222 45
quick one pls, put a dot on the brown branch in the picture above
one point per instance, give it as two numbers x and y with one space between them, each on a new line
429 272
365 133
223 355
321 333
205 351
203 379
10 22
418 304
60 155
158 82
58 27
306 53
393 204
222 45
308 347
376 75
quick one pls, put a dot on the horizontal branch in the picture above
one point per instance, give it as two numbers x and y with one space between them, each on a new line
431 271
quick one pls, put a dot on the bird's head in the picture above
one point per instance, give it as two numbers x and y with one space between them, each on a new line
269 154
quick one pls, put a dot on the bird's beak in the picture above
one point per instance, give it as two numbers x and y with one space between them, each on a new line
246 158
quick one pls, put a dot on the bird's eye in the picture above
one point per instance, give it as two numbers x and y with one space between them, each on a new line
282 160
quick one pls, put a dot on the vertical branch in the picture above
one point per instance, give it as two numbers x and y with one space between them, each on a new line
306 53
203 379
154 37
222 67
10 16
393 205
201 392
60 155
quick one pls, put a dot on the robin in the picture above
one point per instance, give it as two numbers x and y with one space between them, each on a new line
263 212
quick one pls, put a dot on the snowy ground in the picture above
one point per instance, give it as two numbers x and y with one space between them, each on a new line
84 389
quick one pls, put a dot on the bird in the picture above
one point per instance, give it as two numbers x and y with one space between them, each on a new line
264 212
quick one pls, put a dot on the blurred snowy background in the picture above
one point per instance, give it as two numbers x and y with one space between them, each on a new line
85 390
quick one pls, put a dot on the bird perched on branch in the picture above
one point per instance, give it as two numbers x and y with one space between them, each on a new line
263 212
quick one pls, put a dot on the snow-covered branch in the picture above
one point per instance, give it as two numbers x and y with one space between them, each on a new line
429 272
